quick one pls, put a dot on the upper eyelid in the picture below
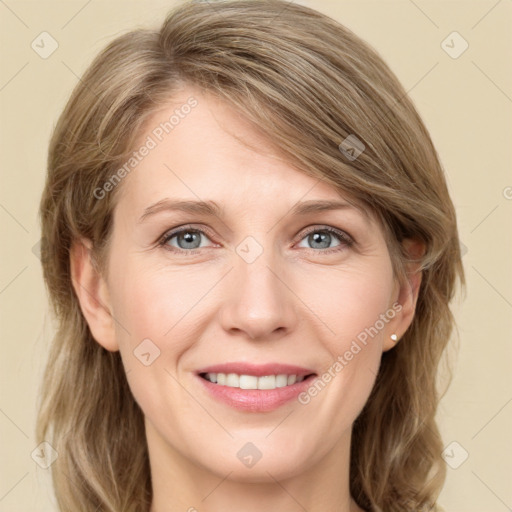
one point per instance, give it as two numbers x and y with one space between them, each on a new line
187 227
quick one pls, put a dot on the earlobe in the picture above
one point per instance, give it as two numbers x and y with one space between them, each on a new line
92 292
407 295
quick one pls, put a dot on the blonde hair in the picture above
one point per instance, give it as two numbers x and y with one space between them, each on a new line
309 83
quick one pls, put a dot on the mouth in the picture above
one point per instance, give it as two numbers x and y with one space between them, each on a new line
234 380
255 388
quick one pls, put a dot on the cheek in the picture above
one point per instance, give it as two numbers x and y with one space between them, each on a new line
158 309
353 306
349 300
168 304
160 303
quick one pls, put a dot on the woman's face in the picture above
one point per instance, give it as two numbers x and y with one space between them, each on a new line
263 287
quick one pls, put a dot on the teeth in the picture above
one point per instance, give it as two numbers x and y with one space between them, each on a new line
281 381
234 380
248 382
267 382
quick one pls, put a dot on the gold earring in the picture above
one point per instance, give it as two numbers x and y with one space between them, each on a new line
394 337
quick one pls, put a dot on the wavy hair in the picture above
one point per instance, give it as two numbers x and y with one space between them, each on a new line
308 83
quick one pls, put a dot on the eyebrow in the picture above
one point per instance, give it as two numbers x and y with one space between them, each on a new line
212 209
314 206
209 208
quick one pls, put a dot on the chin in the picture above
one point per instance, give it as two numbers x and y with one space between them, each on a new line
259 461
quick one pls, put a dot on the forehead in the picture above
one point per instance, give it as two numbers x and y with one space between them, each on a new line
209 150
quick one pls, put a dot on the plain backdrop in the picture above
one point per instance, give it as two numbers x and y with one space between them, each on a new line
464 95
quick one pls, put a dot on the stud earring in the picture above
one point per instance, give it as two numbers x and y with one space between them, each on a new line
394 337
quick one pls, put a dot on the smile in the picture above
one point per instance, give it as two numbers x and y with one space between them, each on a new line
234 380
255 387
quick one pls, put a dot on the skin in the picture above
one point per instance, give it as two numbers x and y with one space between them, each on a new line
295 304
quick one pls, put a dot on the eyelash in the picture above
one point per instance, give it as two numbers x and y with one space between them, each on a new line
345 240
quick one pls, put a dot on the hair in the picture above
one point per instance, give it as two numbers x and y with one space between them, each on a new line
308 83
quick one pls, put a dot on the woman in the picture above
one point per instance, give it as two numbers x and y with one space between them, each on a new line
210 355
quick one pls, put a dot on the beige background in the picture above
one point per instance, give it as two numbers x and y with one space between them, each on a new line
466 103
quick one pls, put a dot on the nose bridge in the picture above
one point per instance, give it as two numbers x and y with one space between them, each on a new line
259 303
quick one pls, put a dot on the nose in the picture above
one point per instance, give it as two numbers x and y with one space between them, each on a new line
258 301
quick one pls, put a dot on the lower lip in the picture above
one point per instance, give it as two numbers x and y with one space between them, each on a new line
256 400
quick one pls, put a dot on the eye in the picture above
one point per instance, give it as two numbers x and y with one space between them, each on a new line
186 239
189 239
321 238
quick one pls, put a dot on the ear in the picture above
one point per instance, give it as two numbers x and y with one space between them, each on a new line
407 294
92 292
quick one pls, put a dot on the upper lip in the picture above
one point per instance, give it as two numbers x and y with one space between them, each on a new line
257 370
